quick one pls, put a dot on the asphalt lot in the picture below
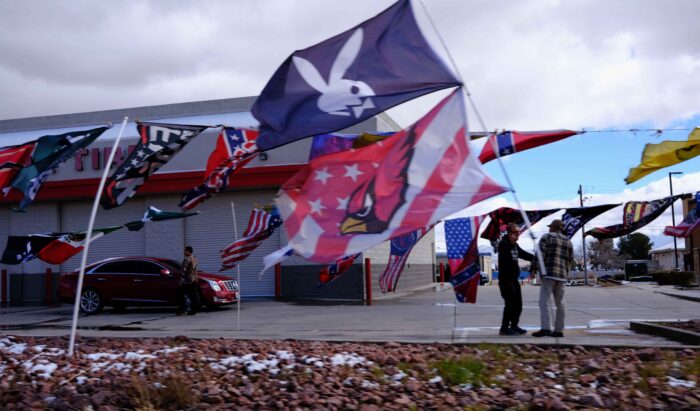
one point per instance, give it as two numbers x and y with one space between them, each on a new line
595 316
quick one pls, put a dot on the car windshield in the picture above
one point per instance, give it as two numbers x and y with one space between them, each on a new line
177 265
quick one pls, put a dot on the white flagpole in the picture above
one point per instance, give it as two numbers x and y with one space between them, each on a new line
88 236
238 269
538 253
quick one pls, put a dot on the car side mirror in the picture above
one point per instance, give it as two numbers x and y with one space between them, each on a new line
165 271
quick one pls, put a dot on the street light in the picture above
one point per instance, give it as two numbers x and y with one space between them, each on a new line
673 215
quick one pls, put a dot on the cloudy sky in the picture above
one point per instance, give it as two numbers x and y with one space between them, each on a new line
529 65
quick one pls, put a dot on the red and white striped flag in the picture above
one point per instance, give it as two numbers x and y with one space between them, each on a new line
400 249
261 225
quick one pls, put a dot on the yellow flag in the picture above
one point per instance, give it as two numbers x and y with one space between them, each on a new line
367 139
664 154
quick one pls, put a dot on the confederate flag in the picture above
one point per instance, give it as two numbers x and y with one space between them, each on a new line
509 142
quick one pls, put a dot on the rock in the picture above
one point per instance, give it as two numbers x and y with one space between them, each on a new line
522 396
587 378
99 397
590 367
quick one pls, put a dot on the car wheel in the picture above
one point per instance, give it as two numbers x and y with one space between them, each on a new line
90 302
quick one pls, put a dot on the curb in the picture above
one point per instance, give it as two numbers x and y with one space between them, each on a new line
681 296
686 337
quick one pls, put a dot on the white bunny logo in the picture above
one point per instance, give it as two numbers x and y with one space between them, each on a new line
338 95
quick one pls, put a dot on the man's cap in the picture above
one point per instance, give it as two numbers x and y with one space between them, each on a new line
557 225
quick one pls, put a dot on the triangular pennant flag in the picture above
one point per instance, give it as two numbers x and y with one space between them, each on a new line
12 160
501 217
50 152
335 270
575 218
158 144
636 215
510 142
154 214
66 246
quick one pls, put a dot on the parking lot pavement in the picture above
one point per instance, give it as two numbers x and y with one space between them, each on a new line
595 316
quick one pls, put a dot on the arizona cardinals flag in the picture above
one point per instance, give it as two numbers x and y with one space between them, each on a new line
510 142
348 78
261 225
689 223
13 159
501 217
158 144
401 247
50 152
335 270
66 246
343 203
234 149
636 215
575 218
154 214
463 256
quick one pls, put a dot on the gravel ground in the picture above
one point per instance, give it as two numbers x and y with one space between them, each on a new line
179 373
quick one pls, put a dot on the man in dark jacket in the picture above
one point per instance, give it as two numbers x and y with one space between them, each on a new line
508 275
188 296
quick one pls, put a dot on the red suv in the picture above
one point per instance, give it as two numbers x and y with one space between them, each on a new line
126 281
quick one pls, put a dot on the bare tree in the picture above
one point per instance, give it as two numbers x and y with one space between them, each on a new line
602 255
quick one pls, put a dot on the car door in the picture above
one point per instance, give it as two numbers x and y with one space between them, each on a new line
112 280
155 282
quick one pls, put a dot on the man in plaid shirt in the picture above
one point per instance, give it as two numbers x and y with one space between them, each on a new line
558 256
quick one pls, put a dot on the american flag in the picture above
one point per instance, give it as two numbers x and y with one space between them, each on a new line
689 224
401 247
463 256
261 225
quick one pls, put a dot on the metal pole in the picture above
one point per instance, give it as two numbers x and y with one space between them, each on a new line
583 238
238 270
673 217
88 239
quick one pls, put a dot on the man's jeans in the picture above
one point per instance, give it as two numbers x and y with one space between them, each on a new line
548 289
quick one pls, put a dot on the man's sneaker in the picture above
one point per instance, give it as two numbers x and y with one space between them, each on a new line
519 331
542 333
507 331
557 334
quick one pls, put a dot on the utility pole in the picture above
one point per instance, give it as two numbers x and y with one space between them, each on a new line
673 215
583 239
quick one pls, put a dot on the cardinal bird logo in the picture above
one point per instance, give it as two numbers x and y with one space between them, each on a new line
366 215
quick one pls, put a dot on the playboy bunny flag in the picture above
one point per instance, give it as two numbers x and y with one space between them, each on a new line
348 78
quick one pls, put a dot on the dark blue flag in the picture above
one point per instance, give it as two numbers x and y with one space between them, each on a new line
348 78
575 218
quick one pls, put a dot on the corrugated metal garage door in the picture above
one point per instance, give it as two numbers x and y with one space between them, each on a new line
75 215
4 233
212 230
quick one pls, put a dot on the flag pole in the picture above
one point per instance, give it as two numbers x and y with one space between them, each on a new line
238 270
88 236
468 95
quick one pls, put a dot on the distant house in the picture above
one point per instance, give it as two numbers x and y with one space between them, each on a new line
663 256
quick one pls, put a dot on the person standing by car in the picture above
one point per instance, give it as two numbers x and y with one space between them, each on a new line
558 256
188 297
508 275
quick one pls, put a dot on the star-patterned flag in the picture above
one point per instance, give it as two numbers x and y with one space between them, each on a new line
636 215
501 217
575 218
12 160
335 270
158 144
401 247
235 147
509 142
50 152
350 77
463 256
344 203
261 225
689 223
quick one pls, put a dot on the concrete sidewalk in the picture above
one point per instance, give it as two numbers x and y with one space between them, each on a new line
595 316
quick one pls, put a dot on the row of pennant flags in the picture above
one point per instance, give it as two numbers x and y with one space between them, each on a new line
356 191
